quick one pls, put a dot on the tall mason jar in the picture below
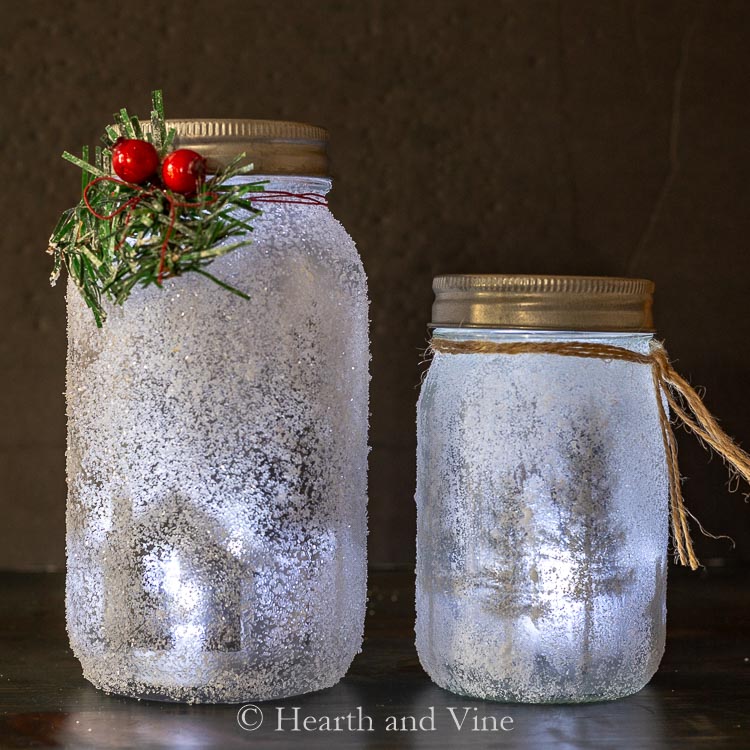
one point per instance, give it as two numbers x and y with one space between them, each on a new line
542 493
217 454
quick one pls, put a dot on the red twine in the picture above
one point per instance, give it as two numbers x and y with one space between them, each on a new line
281 196
267 196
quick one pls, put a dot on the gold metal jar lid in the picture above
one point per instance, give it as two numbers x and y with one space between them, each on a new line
274 147
553 303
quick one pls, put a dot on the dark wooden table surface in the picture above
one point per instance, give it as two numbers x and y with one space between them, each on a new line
700 698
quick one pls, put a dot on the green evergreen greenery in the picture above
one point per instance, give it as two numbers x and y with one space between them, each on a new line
121 235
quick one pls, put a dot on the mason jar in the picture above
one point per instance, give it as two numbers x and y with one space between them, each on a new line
217 452
542 492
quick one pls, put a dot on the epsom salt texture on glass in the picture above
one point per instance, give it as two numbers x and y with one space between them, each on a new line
217 453
542 493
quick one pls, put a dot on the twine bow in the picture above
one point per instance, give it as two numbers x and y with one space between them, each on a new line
682 398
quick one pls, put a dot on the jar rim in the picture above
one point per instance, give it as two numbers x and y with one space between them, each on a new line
543 302
274 147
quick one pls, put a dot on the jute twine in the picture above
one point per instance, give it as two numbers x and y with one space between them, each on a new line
685 403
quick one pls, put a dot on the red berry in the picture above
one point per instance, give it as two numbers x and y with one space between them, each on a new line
134 160
183 171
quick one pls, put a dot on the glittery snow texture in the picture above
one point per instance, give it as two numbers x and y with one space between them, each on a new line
217 459
542 499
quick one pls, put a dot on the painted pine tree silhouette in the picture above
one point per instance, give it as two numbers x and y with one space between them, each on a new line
589 534
507 568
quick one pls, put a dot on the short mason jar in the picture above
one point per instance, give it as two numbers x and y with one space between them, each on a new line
542 493
217 453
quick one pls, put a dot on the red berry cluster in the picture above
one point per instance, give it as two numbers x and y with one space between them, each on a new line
137 161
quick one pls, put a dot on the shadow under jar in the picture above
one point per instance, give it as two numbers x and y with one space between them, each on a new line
217 454
542 493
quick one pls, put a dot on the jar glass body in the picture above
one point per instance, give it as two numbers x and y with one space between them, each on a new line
542 499
217 459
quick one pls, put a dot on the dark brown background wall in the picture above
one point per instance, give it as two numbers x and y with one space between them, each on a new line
581 137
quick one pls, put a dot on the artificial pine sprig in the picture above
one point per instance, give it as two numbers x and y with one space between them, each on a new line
121 235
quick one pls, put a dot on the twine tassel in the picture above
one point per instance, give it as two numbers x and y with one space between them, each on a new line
681 538
688 408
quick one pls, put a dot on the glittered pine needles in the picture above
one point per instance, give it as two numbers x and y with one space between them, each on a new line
164 219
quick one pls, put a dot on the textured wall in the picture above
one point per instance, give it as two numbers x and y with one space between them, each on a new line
581 137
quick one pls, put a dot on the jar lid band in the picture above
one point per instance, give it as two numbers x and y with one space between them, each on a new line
553 303
274 147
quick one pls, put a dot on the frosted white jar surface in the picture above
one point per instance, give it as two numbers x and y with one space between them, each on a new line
217 459
542 499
